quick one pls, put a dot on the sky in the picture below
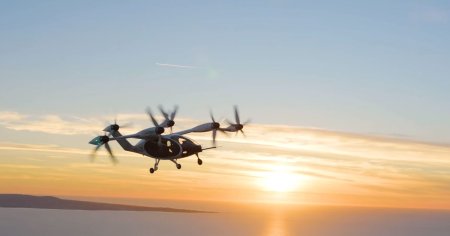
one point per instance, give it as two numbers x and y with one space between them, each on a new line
347 100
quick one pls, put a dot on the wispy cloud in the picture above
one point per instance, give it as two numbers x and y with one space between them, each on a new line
175 65
52 124
335 166
76 125
67 125
9 116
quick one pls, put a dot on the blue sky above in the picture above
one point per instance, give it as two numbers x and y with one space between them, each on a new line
374 67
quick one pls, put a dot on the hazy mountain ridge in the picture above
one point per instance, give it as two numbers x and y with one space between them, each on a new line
50 202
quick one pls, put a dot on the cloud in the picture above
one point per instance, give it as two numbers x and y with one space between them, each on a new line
8 116
41 148
52 124
70 125
7 146
328 162
175 66
361 165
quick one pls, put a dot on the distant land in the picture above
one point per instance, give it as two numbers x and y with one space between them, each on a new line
49 202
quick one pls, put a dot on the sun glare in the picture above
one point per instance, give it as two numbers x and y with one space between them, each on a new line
280 180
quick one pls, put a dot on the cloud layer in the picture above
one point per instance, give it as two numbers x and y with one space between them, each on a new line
328 167
175 66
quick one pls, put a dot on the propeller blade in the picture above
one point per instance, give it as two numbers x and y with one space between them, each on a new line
126 125
96 148
228 122
174 112
168 121
242 133
160 143
166 116
212 116
214 134
149 112
108 148
236 115
223 132
92 156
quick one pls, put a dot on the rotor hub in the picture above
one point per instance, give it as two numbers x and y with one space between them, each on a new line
239 126
215 125
104 139
159 130
170 123
115 127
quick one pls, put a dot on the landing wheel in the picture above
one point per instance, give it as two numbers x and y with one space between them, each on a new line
199 162
178 166
152 170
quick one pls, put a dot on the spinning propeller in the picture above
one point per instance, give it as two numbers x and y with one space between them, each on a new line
103 140
115 127
158 129
212 126
216 126
100 141
169 120
236 127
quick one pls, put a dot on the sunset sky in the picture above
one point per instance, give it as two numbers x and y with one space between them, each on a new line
349 101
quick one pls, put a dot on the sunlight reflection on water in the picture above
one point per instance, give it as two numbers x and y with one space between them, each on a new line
275 221
276 225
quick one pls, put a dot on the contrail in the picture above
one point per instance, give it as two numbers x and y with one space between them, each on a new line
174 65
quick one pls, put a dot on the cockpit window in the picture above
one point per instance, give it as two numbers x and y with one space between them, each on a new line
182 139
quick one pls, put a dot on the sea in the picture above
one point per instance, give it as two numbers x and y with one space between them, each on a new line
272 220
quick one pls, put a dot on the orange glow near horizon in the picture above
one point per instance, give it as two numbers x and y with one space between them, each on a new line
294 165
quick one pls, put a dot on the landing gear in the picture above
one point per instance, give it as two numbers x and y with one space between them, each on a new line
155 168
199 161
176 163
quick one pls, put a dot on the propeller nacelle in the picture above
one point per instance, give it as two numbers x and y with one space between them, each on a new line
170 123
159 130
215 125
238 126
168 119
115 127
100 141
212 126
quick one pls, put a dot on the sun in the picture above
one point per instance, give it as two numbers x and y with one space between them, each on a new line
280 179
